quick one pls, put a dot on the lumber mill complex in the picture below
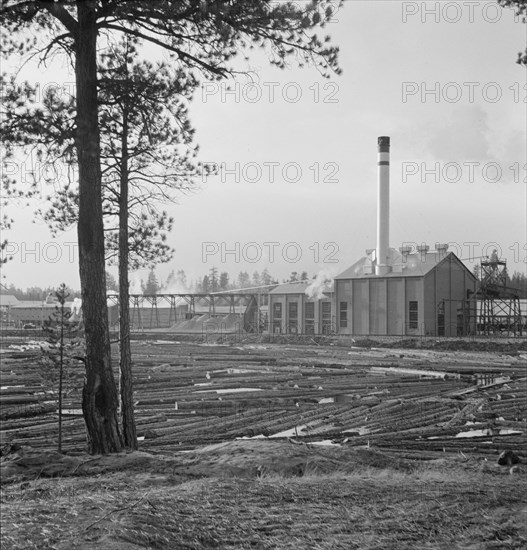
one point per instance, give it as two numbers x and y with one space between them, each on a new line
191 390
410 291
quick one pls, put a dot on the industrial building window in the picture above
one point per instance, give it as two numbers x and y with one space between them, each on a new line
310 310
414 314
293 317
309 318
343 318
326 317
441 319
277 317
264 321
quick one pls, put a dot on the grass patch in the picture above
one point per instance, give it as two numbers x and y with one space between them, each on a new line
372 508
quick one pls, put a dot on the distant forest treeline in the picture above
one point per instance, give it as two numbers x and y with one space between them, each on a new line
517 280
36 293
213 281
176 283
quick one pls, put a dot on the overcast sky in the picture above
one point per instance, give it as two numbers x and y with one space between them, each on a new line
297 153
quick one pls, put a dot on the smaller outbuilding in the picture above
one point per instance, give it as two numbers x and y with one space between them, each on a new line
303 307
7 301
35 313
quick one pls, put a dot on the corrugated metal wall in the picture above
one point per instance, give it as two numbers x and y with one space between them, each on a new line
448 284
396 306
381 305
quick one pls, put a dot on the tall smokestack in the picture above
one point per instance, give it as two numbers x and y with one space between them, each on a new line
383 206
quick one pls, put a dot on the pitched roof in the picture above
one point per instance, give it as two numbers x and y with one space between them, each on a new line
299 287
8 300
413 265
39 304
32 304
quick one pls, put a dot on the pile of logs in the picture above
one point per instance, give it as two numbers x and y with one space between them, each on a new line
187 395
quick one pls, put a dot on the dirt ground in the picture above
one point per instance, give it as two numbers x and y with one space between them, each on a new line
260 494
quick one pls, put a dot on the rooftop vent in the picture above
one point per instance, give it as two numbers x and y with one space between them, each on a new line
441 249
423 249
405 251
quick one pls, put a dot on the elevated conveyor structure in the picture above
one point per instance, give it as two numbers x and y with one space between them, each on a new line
189 312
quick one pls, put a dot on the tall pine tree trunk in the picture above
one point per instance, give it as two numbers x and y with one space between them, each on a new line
99 396
127 390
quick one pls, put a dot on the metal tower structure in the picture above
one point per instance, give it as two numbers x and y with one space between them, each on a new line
499 303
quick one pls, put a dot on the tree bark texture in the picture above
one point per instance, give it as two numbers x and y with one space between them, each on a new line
127 390
99 397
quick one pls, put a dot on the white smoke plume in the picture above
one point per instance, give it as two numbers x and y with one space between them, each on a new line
135 285
175 285
76 306
323 281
